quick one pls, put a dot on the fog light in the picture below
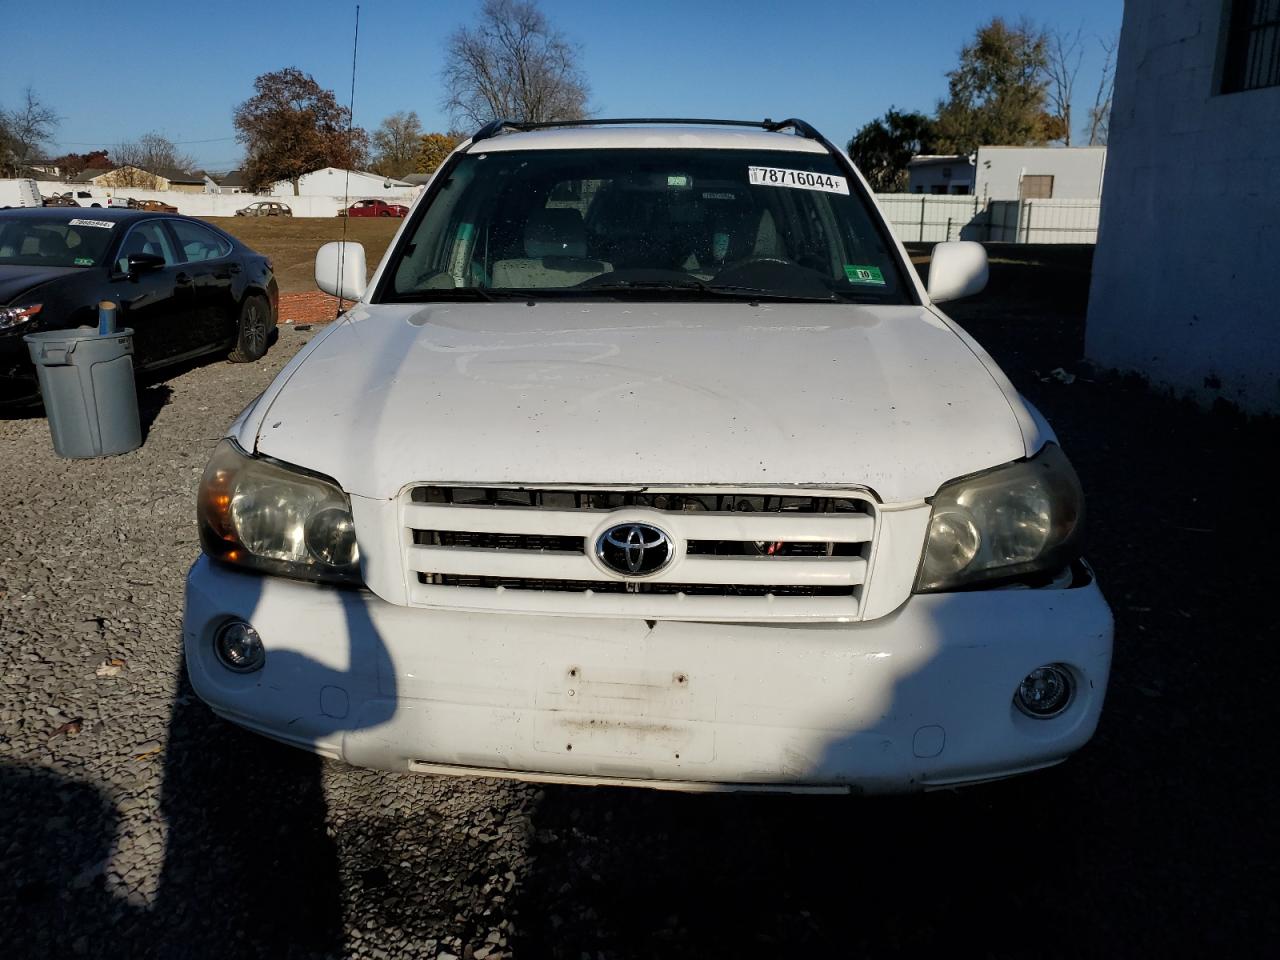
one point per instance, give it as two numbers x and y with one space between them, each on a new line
1045 692
239 647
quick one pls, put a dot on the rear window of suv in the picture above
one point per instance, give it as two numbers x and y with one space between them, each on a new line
646 222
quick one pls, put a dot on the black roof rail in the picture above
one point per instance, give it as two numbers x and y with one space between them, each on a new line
491 129
495 127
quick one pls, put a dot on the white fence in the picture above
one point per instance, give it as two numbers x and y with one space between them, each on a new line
221 204
928 218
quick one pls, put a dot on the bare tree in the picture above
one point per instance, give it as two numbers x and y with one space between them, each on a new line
26 128
139 163
1100 112
1065 51
396 142
513 64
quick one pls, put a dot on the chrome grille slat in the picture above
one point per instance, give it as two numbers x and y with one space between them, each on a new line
699 568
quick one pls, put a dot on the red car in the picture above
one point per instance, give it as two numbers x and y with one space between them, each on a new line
375 208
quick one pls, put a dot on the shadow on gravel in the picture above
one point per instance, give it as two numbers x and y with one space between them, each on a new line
249 869
56 838
151 400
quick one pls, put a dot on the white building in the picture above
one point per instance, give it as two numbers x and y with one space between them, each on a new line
332 182
1035 173
940 174
1186 289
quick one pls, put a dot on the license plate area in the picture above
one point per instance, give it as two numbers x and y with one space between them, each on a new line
624 713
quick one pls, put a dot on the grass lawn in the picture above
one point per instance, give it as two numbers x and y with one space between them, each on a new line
292 242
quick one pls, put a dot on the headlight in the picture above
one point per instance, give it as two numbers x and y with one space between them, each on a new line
264 515
13 317
1022 518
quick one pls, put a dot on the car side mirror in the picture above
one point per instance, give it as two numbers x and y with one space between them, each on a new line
958 268
340 269
143 263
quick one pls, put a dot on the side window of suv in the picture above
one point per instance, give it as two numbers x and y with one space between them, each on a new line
199 243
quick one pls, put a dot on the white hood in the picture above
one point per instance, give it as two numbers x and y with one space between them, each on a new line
888 398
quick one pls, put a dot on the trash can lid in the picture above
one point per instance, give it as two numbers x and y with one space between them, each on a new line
74 335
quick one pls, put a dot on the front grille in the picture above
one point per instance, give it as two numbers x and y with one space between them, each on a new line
736 554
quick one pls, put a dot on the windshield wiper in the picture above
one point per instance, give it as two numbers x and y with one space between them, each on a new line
760 293
450 294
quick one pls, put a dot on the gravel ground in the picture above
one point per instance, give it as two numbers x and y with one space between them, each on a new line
137 825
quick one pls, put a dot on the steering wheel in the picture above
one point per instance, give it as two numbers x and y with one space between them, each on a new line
735 273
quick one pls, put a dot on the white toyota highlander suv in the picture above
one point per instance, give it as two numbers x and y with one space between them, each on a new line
645 458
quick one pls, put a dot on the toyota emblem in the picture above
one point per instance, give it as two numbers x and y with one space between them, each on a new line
634 549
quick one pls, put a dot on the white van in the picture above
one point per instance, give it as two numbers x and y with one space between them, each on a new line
19 193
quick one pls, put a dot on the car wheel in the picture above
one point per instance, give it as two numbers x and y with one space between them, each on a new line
252 330
385 213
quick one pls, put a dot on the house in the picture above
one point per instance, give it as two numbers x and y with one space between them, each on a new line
43 170
332 182
940 174
162 178
1185 284
233 182
88 175
183 181
1039 173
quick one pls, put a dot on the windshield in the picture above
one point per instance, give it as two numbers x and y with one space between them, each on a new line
33 242
653 223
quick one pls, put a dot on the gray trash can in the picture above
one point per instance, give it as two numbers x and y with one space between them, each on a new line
86 380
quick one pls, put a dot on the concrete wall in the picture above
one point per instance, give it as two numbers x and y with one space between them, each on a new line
1186 287
1076 171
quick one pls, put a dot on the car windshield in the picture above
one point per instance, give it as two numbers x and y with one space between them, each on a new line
646 223
35 242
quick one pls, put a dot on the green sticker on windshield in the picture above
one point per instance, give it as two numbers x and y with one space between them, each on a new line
84 261
864 273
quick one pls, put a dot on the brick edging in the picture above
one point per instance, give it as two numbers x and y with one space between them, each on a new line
310 307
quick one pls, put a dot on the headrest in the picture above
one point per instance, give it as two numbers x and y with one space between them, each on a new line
556 232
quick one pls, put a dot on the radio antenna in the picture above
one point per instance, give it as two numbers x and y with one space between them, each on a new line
346 180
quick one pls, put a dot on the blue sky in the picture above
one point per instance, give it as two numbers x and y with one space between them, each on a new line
182 70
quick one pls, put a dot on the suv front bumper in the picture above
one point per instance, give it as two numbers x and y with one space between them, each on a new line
920 698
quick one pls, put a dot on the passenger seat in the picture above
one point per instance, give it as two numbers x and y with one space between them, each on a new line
555 248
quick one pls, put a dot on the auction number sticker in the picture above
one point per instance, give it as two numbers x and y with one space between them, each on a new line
104 224
798 179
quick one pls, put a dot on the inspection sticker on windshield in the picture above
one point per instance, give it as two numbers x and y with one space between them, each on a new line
104 224
864 273
799 179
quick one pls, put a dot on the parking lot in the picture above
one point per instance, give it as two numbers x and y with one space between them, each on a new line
136 824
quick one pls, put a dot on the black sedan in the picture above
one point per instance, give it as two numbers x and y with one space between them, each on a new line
186 288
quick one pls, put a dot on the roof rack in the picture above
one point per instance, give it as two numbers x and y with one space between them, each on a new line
496 127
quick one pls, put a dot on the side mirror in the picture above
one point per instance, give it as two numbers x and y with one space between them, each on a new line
340 269
143 263
958 268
